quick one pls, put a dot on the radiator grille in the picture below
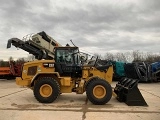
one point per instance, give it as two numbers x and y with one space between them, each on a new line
32 70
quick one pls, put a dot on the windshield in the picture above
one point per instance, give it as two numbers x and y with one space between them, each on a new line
76 56
70 56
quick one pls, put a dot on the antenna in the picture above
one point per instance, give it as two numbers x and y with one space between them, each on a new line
73 43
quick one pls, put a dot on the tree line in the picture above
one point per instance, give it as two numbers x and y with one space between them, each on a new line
19 60
134 56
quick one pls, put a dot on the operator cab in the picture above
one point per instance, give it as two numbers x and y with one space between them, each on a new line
67 61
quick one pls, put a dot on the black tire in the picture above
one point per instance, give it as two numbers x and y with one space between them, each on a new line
86 84
50 83
96 85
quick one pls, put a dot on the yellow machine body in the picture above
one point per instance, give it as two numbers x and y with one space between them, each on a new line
33 71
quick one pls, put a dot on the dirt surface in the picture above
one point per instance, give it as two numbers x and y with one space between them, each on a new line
18 103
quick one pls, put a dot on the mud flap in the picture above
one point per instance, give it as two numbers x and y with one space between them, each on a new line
127 91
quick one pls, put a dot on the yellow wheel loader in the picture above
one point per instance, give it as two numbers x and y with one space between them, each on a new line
66 74
65 70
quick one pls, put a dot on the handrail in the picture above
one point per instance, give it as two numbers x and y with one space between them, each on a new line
27 37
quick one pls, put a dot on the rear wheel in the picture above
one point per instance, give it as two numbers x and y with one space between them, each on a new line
99 91
46 90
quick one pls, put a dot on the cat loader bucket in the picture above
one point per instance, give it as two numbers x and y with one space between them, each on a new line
127 91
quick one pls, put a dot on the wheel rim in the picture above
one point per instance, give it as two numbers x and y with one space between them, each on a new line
46 90
99 91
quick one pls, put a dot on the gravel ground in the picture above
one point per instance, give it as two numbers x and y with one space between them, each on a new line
18 103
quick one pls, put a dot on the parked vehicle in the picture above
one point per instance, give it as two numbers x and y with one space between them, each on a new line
119 72
11 71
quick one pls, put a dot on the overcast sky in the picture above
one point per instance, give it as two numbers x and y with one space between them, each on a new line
96 26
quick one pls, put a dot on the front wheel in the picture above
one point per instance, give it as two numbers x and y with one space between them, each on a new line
46 90
99 91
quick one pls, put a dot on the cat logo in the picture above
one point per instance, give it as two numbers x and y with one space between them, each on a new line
48 65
